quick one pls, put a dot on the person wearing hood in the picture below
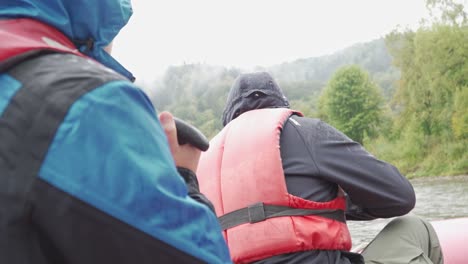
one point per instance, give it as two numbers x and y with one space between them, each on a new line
284 185
88 173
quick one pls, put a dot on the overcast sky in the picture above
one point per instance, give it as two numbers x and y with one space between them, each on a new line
246 33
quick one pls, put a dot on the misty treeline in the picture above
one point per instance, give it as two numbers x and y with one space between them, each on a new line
405 96
198 92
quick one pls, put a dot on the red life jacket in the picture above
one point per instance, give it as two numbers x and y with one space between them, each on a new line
18 40
243 167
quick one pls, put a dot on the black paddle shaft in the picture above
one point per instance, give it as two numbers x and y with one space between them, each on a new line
188 134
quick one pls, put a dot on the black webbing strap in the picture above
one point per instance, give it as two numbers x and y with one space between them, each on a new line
260 212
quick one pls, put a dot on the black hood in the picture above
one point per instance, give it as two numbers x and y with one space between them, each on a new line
253 91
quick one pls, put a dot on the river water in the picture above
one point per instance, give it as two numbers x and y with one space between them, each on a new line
436 198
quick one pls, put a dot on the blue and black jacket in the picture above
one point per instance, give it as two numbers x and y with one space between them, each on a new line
86 174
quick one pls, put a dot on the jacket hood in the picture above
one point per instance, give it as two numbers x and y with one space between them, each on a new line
90 24
253 91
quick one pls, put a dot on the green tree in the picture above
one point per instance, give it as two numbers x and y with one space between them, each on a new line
450 11
434 73
430 128
460 115
352 103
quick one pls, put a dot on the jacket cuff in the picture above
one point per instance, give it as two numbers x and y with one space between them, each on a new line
190 178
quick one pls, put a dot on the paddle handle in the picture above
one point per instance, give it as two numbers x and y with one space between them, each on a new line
188 134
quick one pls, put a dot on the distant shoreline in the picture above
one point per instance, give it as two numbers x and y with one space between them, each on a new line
434 178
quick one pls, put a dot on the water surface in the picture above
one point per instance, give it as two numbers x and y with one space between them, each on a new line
436 198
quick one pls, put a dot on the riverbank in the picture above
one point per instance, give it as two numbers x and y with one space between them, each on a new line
463 177
422 156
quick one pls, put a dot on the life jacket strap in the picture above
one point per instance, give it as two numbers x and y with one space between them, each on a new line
258 212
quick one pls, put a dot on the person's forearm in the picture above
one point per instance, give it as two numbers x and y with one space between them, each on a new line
355 212
376 188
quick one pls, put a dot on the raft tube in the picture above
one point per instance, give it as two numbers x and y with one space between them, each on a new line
453 238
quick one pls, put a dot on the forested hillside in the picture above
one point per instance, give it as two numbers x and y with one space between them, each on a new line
418 119
372 56
197 92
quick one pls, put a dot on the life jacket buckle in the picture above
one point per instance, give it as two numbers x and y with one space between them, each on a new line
256 212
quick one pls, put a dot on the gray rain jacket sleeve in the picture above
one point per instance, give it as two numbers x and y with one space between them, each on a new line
318 157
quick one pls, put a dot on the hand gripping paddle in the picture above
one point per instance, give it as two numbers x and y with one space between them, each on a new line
188 134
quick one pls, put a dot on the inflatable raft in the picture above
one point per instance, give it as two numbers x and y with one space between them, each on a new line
453 238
